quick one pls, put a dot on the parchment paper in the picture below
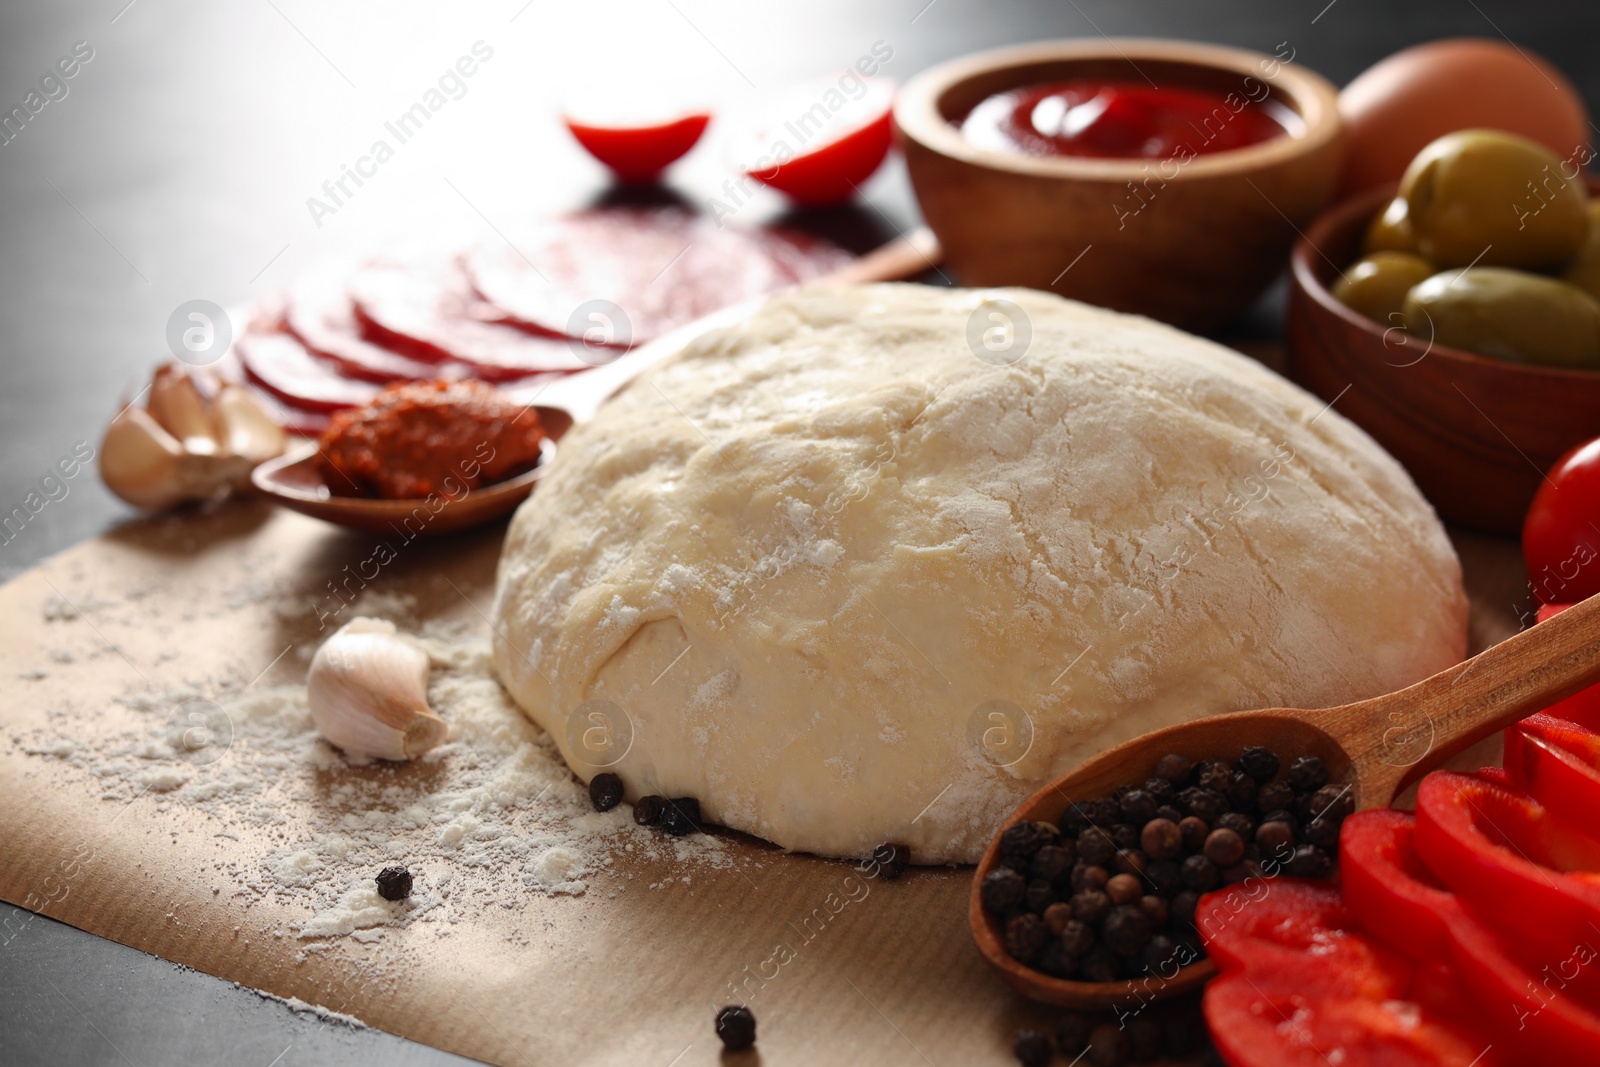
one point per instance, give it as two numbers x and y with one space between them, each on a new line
619 975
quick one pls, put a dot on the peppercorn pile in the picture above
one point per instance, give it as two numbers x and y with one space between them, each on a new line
1110 892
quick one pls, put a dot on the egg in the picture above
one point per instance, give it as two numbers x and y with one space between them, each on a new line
1402 103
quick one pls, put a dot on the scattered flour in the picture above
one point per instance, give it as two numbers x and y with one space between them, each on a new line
491 819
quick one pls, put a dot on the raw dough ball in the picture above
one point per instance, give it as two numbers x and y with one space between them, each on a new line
846 583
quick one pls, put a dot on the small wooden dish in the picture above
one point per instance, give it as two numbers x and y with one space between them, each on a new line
1192 244
1476 434
295 480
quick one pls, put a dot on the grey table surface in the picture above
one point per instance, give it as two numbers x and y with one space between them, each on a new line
178 163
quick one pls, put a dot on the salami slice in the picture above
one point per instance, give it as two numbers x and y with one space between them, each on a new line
319 312
281 365
425 308
661 267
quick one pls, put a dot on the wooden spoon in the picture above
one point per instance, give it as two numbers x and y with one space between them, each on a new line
1375 747
296 480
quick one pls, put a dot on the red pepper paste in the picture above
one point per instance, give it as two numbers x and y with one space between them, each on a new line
416 439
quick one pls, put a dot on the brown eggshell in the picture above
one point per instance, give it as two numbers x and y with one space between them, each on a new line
1405 101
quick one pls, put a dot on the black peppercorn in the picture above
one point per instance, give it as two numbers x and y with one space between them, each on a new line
1238 822
1039 896
1090 905
1108 1046
1204 804
1077 937
647 811
1215 775
1101 811
1170 812
736 1026
1157 908
1056 963
1057 916
1199 874
1160 956
1019 841
1127 930
1174 767
1309 861
1183 908
1096 847
1138 807
1073 821
1026 936
1274 835
1161 839
1051 862
1125 889
1324 833
1194 831
1129 861
1242 790
1088 876
1160 790
1072 1032
1164 877
1333 803
1032 1048
1125 835
394 883
891 860
1307 774
605 791
1003 890
1259 763
1275 796
1224 847
681 816
1286 817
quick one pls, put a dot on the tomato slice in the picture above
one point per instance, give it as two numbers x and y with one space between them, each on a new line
639 152
1302 985
1561 535
1507 856
823 139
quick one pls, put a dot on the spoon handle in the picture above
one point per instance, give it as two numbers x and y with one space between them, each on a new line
1395 739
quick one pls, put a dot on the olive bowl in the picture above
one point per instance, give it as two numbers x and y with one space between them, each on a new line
1476 434
1191 243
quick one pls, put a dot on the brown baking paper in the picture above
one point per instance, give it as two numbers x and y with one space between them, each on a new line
624 974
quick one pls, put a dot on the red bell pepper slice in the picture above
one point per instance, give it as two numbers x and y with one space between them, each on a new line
1556 762
1506 856
1538 1007
1301 986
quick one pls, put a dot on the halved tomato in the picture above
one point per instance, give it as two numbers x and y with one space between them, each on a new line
639 152
823 138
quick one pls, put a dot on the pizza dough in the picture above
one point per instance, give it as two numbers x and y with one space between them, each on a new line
847 583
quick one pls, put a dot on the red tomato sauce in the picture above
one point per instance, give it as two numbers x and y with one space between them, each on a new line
1121 120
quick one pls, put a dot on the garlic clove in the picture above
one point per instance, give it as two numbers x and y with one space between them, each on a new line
246 429
368 692
141 462
177 403
195 439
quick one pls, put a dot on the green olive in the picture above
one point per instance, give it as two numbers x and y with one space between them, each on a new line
1390 231
1584 271
1494 199
1376 285
1507 314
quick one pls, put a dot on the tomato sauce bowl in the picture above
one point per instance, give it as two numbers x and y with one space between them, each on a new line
1191 238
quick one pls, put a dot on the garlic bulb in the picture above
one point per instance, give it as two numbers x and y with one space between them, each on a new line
195 438
368 691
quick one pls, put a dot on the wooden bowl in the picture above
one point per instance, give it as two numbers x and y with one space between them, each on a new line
1192 244
1476 434
1048 805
